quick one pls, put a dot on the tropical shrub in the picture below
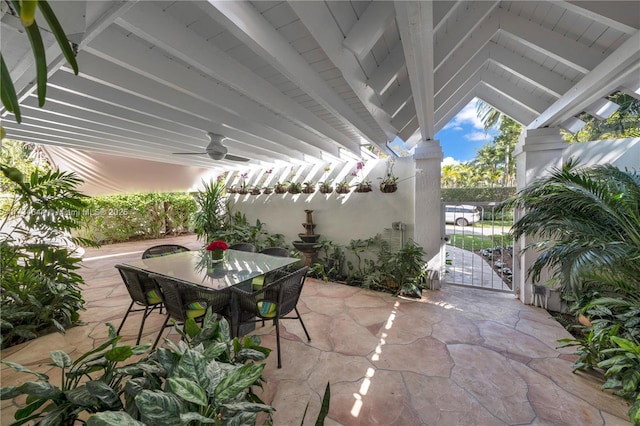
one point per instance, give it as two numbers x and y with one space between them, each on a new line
587 225
204 378
209 219
40 288
116 218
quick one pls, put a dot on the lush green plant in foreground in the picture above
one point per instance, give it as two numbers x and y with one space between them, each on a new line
41 290
587 221
207 378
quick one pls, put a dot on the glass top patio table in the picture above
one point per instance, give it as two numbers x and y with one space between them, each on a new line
196 267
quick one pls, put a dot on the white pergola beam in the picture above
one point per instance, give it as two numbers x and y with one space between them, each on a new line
397 98
457 80
415 21
369 27
454 103
155 67
388 70
601 81
404 116
602 108
450 38
25 83
623 16
317 17
537 75
167 118
505 105
516 94
245 23
555 45
149 22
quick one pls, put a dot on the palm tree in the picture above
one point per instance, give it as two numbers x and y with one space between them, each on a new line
587 221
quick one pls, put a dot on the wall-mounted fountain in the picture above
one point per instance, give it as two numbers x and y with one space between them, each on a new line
309 239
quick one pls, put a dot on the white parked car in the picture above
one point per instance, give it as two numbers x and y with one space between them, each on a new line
461 215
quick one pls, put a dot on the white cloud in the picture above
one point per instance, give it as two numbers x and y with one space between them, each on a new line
478 136
467 116
449 160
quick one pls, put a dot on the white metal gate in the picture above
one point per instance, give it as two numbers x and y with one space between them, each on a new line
479 251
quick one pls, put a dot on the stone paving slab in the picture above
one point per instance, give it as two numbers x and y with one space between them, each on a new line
458 356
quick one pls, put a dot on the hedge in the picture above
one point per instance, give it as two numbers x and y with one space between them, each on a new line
116 218
485 194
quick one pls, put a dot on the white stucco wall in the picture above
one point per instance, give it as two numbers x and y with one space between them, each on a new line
622 153
339 218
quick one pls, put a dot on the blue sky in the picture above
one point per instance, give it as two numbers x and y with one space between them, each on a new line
463 135
460 138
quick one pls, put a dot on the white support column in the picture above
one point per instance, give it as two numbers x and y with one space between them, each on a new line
427 206
537 151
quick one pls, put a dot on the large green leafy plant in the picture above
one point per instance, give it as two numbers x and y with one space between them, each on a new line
41 290
585 222
209 219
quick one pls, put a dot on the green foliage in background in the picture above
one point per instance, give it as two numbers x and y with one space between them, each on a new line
482 194
116 218
623 123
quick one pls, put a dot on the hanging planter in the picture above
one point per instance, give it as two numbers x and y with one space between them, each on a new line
388 187
295 187
326 188
267 190
280 188
363 187
309 188
255 191
343 188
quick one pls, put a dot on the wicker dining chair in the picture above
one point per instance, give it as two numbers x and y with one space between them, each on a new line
163 250
273 302
243 247
183 300
276 251
144 294
262 280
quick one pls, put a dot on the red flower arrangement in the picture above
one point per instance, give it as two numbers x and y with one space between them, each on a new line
217 245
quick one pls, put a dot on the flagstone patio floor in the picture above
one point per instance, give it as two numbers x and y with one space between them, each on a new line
458 356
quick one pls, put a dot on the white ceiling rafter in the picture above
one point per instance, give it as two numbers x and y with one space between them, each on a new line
388 70
369 28
317 18
471 15
246 24
282 86
604 79
149 22
610 13
155 69
415 20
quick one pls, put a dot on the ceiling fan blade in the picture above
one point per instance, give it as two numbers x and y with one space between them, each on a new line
235 158
188 153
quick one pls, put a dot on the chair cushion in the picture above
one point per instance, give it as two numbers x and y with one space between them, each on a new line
153 298
196 309
257 282
267 309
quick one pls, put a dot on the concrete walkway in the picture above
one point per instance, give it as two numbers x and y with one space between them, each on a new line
458 356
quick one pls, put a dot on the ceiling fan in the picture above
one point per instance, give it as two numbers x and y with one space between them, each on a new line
215 150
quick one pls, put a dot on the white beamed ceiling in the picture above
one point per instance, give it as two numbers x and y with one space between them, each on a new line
302 81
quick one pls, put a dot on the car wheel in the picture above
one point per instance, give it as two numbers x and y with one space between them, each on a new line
461 221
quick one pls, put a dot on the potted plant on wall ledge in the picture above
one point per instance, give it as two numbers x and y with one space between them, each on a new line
343 187
295 187
325 187
363 185
280 188
309 187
